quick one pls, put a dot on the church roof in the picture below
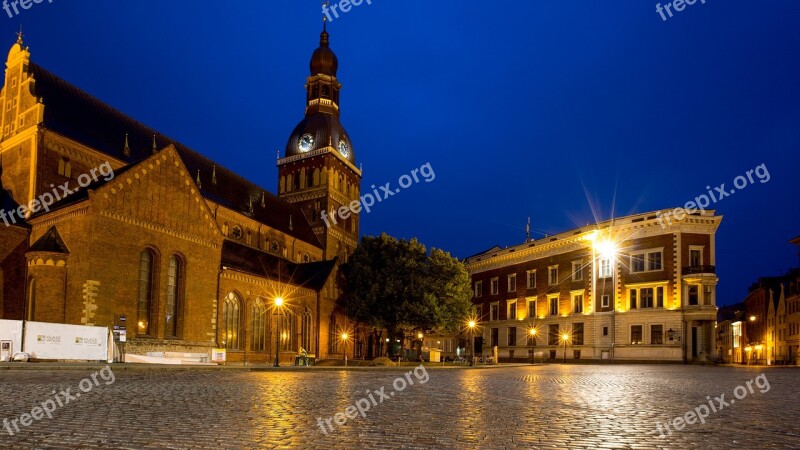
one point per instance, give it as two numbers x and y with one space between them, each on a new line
263 264
50 242
73 113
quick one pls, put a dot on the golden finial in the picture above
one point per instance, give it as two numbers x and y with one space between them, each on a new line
20 35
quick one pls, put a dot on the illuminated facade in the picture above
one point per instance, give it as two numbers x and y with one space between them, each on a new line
190 253
631 289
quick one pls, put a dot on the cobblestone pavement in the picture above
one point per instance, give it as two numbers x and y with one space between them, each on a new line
548 406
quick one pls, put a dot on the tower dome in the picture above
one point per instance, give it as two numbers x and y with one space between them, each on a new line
324 61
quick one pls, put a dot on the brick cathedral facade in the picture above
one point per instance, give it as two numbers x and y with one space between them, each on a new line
190 253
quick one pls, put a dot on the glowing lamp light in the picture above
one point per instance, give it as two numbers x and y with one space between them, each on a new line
565 337
344 336
607 249
279 301
533 331
471 324
419 335
759 347
752 318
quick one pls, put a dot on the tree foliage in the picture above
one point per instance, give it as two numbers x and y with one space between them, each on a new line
391 283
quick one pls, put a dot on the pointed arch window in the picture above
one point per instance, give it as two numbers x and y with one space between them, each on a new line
230 322
306 333
333 337
259 326
174 297
64 167
145 301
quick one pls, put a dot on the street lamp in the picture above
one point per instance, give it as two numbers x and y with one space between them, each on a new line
344 339
532 338
278 305
565 338
471 344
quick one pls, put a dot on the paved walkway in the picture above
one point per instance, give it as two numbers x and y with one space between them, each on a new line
546 406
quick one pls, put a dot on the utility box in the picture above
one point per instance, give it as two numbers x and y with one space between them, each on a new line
435 355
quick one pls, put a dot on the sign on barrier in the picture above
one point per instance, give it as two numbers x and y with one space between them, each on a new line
60 341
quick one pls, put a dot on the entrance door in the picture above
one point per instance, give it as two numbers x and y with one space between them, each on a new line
694 342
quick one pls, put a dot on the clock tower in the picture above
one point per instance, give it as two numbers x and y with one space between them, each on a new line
318 169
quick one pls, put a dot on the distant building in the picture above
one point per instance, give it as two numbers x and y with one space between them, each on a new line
633 288
771 321
730 348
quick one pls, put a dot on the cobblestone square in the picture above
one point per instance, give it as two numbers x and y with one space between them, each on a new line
546 406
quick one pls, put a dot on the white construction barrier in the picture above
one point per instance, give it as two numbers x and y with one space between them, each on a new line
60 341
10 338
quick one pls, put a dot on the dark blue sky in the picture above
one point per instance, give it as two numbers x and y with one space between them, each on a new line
545 109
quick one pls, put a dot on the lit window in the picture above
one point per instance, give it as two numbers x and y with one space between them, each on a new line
512 310
577 301
229 329
512 283
636 334
554 306
605 268
173 297
145 301
656 334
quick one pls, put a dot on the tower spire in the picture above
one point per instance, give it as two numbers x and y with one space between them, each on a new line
20 35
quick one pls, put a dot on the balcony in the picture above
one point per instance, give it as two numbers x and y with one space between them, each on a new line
696 270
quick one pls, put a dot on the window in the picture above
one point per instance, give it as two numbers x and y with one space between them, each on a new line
605 302
656 334
552 335
654 261
633 293
333 335
306 328
512 336
636 334
145 303
479 312
646 298
495 333
576 354
512 310
552 275
288 332
493 312
64 168
554 306
531 308
646 261
577 271
637 263
693 296
605 268
512 283
577 303
696 257
173 297
495 286
230 322
577 333
531 279
259 326
478 289
660 297
707 294
605 331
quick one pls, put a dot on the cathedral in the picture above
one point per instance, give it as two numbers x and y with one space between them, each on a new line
108 222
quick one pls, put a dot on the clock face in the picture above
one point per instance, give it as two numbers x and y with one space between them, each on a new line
306 142
343 149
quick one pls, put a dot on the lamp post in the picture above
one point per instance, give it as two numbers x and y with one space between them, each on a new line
565 338
532 338
344 339
278 305
471 344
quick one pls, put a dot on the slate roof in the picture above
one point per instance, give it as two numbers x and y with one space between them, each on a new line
263 264
50 242
77 115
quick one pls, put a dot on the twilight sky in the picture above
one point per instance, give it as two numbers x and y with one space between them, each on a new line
564 111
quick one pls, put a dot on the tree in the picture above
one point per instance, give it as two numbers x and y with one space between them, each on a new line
396 284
